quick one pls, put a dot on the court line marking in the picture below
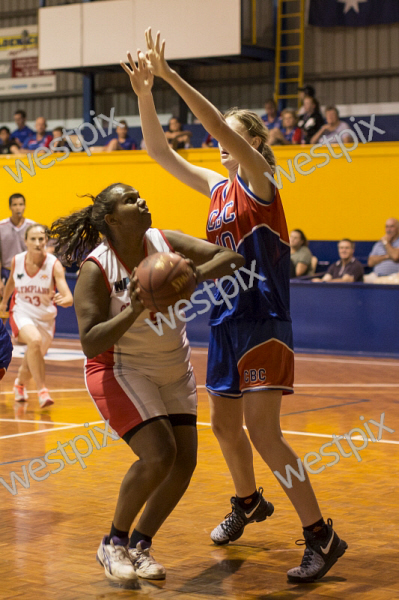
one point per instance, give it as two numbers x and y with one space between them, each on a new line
4 437
321 435
336 385
350 361
33 421
297 385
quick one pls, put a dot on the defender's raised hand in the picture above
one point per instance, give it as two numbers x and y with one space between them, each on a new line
155 55
140 75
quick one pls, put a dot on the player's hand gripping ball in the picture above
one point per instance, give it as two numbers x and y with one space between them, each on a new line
164 279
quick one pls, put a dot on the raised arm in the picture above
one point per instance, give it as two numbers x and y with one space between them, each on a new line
64 297
200 179
97 332
250 160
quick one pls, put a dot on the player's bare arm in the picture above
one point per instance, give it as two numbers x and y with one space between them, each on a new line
97 332
63 297
211 261
252 164
200 179
9 289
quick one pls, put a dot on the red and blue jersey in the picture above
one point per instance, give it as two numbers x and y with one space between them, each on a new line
257 229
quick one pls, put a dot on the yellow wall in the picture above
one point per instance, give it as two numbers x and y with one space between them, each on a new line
339 199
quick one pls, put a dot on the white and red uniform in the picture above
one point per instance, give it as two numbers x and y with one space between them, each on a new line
32 303
144 376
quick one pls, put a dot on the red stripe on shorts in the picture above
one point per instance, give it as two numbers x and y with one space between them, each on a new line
112 402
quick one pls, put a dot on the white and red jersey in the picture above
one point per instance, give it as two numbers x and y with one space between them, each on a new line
33 295
141 346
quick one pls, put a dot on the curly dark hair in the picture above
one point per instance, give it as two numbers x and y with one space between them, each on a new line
82 231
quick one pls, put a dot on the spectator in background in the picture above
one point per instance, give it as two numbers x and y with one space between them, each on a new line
39 139
176 136
23 131
288 132
307 91
12 236
384 257
332 128
271 118
209 142
8 144
311 121
348 268
58 143
301 256
122 141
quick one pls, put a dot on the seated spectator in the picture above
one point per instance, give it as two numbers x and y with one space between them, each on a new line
301 256
348 268
271 118
311 121
122 141
384 257
57 143
209 142
8 144
177 137
23 131
39 139
288 133
332 128
307 91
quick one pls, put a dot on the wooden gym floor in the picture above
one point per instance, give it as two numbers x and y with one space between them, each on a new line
50 531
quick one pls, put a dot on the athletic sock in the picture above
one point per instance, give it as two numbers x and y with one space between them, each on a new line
122 535
248 502
137 537
318 529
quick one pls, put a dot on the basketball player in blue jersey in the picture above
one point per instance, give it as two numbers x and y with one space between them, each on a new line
142 384
5 350
250 359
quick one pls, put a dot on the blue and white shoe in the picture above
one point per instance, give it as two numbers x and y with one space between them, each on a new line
114 557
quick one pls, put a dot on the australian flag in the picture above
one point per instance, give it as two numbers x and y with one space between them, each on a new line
353 13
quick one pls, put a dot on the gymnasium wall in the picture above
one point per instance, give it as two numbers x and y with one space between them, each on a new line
341 199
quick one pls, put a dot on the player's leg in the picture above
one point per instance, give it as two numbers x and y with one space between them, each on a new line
226 407
30 335
162 502
323 546
179 397
155 447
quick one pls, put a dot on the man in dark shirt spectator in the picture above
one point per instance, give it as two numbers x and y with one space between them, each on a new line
23 131
346 270
39 139
311 121
8 144
305 91
271 118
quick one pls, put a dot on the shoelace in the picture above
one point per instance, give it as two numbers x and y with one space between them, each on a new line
120 553
308 554
144 557
232 522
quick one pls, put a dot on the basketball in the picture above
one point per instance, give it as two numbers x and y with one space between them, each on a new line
164 279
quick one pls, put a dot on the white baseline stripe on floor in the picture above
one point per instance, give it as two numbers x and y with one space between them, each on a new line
321 435
38 421
297 385
337 385
3 437
350 361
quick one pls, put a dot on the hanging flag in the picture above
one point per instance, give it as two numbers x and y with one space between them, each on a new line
353 13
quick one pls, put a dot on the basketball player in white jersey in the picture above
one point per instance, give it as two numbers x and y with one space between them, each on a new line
35 276
142 383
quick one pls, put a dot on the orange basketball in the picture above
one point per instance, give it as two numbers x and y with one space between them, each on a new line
163 279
